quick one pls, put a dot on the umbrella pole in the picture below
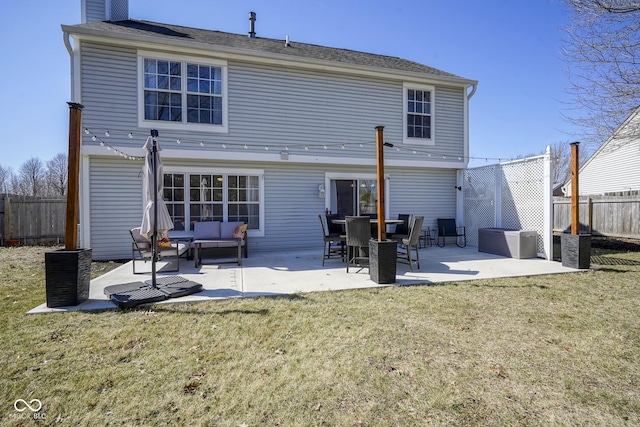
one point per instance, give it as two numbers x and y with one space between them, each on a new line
154 238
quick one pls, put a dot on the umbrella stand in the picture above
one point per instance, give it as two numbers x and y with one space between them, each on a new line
131 294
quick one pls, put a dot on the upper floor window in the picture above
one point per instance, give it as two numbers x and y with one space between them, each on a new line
184 92
418 114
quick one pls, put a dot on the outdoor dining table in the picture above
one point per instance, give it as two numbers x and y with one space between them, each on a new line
373 221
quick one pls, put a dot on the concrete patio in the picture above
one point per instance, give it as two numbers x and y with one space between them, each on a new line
284 273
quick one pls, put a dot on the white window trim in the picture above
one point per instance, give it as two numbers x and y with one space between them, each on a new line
159 124
224 171
329 176
417 141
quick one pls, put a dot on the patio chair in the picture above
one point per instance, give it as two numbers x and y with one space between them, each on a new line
412 241
447 228
358 229
329 241
334 229
402 230
141 250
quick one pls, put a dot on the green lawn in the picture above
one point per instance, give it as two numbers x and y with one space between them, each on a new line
542 350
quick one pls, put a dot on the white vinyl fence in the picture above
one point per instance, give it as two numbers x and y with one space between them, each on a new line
514 195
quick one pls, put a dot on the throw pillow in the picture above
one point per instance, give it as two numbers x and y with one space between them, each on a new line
239 232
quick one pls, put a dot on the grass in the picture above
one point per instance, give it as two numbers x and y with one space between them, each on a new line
543 350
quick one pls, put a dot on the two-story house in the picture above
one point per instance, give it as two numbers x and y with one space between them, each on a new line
270 132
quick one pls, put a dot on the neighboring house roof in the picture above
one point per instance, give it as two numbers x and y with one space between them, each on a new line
179 35
627 133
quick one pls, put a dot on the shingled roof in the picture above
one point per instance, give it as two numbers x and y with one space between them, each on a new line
257 45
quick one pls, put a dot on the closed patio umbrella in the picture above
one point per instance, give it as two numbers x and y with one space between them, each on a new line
156 221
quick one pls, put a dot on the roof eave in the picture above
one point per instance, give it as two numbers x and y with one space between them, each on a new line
194 47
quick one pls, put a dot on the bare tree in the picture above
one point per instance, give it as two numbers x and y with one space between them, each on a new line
31 178
561 160
57 172
602 48
5 179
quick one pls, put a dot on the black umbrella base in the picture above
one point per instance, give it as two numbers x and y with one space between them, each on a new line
129 295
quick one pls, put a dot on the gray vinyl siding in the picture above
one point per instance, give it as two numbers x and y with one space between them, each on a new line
426 192
273 107
109 91
291 201
116 206
95 10
267 106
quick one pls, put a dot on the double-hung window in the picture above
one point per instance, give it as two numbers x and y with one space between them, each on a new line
418 114
180 92
214 196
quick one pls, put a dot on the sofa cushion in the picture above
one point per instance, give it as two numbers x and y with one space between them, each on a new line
206 230
227 229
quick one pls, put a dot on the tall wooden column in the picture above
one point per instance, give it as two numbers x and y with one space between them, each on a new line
73 176
382 227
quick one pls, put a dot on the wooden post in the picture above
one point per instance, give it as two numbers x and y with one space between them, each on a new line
590 214
382 227
73 186
8 232
575 190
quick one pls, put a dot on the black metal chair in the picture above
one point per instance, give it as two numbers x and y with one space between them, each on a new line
402 230
447 228
412 241
329 241
358 233
334 229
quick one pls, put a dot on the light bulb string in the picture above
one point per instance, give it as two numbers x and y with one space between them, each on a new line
100 138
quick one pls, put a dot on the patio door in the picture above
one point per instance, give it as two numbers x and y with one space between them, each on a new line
353 197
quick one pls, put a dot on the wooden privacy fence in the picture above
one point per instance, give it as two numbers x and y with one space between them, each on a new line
32 221
615 216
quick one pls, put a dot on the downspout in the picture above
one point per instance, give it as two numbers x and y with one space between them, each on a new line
67 44
473 92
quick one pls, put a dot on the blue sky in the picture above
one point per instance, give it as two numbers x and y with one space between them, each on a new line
512 47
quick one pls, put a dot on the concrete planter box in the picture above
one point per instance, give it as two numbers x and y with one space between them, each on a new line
68 273
576 250
382 261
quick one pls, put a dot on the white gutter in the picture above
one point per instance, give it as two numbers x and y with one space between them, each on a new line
473 91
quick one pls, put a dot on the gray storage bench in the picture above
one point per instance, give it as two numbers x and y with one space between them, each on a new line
506 242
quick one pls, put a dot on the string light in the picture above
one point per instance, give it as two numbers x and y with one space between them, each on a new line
399 148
